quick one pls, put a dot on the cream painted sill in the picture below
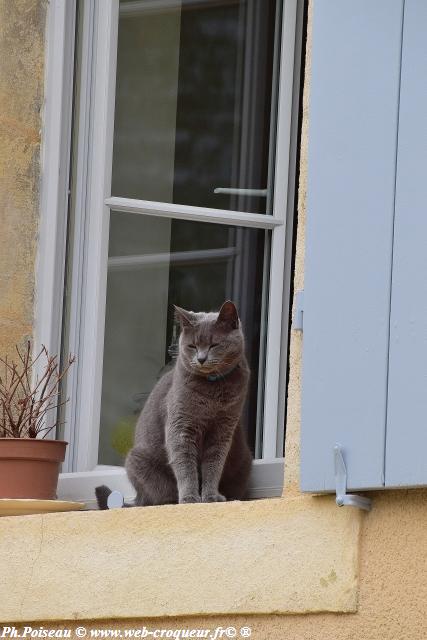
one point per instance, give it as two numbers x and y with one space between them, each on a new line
267 556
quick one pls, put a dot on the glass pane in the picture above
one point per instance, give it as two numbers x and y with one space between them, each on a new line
195 106
155 263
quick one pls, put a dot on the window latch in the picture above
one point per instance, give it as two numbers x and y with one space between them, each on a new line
344 499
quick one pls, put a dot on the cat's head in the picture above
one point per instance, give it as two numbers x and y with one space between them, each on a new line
210 343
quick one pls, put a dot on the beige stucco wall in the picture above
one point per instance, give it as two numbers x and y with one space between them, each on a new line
392 591
22 32
392 586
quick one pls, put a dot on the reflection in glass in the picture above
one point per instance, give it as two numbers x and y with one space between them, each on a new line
195 103
155 263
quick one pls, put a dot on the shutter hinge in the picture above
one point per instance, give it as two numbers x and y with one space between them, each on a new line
298 319
344 499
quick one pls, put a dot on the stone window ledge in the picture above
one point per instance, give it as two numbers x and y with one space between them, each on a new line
281 555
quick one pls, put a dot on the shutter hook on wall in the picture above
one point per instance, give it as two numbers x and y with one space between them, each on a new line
343 498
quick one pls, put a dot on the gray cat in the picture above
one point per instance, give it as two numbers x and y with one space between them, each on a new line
189 442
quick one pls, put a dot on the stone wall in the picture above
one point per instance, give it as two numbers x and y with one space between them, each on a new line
22 40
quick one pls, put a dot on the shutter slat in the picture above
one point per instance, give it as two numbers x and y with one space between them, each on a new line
406 450
352 156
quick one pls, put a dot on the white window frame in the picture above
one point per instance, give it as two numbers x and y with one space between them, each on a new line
90 244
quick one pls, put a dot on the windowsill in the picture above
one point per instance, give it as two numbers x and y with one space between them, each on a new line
266 481
283 556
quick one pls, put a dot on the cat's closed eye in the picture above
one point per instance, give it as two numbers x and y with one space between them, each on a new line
216 344
192 346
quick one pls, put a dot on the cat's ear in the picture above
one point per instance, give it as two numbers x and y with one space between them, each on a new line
228 318
183 317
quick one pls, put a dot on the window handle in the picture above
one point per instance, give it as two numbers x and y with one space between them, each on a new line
262 193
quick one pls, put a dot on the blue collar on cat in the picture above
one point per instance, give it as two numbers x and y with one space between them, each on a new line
214 377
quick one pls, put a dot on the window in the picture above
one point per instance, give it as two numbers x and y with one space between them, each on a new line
181 191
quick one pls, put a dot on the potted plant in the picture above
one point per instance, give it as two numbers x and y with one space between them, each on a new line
29 405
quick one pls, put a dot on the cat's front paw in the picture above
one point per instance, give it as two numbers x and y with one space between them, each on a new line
190 497
213 497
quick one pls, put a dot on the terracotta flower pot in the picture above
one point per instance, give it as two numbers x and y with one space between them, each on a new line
29 467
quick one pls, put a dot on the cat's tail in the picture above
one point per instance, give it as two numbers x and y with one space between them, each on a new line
102 494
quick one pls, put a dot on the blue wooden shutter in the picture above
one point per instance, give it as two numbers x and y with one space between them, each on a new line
354 96
406 442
